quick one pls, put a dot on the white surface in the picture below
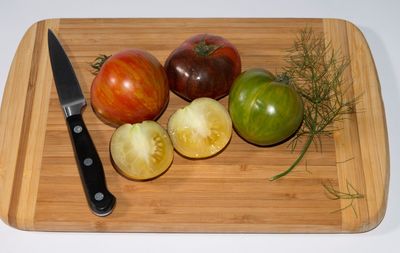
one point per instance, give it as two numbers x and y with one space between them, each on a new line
378 21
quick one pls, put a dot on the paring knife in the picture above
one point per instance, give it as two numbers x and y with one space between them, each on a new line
72 101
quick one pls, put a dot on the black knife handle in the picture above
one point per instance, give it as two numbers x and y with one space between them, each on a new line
100 200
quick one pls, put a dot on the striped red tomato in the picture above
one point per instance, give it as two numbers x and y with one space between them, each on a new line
130 87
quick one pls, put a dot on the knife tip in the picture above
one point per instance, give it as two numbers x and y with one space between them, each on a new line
51 37
50 32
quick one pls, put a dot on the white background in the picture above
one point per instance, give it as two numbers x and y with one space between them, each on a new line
378 20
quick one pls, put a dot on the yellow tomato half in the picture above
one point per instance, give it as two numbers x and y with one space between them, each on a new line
201 129
141 151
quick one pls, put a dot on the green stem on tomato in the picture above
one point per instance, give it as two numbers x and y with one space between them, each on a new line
204 49
98 63
298 160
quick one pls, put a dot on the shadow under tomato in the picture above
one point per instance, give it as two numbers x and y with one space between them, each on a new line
272 145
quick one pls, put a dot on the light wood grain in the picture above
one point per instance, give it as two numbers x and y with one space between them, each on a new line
39 182
12 115
372 123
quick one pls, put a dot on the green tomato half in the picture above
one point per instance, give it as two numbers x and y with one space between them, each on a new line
263 111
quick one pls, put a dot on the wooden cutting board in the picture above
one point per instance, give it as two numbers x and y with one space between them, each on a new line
40 188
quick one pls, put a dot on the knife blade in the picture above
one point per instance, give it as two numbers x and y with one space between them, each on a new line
72 101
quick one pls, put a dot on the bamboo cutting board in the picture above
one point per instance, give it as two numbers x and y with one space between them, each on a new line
40 188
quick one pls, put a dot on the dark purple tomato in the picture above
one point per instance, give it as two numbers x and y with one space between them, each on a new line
205 65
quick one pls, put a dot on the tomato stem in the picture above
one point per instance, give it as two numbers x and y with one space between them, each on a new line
98 63
297 161
283 78
204 49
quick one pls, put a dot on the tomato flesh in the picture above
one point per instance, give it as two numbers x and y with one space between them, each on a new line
201 129
141 151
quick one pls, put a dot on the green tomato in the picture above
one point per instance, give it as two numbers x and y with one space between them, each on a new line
264 111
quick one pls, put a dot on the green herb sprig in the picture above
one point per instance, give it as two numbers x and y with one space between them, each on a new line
316 70
351 195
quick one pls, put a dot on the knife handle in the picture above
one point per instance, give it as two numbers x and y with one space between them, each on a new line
100 200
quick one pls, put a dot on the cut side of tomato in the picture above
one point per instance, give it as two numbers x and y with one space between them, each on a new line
201 129
141 151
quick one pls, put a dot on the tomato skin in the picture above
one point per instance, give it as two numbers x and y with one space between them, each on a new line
130 87
263 111
192 75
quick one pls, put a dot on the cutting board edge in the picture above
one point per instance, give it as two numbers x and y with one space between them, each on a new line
7 168
382 144
23 178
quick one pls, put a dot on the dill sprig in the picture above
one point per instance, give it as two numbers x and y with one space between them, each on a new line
316 70
334 194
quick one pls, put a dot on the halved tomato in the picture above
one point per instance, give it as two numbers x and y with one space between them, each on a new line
201 129
141 151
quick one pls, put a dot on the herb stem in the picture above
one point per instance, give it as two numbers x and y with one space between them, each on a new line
351 195
297 161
